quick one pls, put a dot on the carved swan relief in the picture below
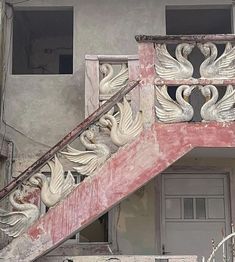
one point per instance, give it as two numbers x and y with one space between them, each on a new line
55 189
213 67
171 111
124 129
103 123
17 222
94 156
168 67
110 84
214 110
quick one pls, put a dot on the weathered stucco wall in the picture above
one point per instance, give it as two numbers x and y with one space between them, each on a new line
137 217
46 107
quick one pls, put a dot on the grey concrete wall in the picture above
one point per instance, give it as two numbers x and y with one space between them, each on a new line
46 107
135 228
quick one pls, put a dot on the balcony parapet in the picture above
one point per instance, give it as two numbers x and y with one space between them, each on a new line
177 39
162 67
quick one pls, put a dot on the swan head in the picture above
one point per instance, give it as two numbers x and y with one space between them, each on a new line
90 135
187 49
187 90
35 181
206 92
105 68
205 48
18 196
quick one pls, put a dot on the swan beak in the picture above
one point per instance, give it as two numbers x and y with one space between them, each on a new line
186 98
208 98
93 141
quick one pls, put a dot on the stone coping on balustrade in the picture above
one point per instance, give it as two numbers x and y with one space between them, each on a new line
120 259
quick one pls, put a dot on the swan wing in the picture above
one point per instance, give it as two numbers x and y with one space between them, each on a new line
170 111
69 184
13 223
167 103
166 66
137 125
164 91
125 115
57 176
120 79
88 168
228 115
77 156
225 64
227 101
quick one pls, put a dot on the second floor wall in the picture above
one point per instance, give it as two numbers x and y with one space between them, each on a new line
41 107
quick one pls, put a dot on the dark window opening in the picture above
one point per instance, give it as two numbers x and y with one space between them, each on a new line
198 21
42 42
65 64
95 232
190 21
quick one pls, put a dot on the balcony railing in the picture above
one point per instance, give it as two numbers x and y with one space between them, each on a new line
160 69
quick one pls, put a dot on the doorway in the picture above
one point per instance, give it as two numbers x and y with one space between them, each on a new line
195 209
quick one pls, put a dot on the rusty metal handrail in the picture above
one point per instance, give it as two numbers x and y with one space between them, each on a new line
175 39
36 166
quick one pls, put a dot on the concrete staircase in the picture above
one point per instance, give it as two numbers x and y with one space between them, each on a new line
158 147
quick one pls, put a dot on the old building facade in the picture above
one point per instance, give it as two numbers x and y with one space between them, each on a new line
173 191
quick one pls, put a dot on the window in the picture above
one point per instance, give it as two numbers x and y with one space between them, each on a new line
42 42
190 20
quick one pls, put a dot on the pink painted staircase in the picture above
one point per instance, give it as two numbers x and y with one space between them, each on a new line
130 168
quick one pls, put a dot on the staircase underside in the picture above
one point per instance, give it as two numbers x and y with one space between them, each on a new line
130 168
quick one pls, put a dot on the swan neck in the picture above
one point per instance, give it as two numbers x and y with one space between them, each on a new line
109 76
213 55
86 143
43 179
113 122
179 56
17 206
210 102
179 97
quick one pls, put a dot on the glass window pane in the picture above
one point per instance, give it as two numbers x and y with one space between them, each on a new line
216 208
200 208
173 208
188 208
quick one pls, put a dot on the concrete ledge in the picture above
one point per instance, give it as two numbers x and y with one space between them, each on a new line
120 259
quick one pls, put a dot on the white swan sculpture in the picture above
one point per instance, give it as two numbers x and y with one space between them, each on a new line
55 189
125 128
111 84
168 67
91 159
222 67
221 111
174 111
17 222
103 123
